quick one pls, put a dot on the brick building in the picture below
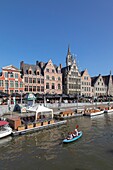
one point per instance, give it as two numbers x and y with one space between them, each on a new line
42 78
10 80
86 89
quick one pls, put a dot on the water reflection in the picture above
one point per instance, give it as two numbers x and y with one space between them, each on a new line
44 150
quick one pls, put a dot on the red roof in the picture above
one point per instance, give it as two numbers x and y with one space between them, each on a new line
2 123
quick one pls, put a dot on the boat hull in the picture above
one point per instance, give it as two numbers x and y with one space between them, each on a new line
73 139
94 114
108 111
5 133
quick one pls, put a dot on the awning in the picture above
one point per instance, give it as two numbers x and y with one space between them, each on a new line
43 110
2 123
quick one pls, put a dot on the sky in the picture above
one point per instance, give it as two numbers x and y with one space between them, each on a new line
40 30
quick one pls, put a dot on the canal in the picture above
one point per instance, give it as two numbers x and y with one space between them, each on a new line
44 150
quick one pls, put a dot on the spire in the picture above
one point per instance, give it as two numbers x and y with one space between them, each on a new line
69 50
110 72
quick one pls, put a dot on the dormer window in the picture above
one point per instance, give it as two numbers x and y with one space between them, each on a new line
47 70
30 72
38 73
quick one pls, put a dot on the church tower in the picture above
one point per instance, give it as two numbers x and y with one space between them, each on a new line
69 58
110 85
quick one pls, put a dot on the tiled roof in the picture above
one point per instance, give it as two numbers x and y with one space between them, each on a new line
93 80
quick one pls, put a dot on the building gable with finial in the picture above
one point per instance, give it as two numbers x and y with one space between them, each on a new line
71 76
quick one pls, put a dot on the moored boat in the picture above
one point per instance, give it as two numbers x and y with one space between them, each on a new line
93 112
108 110
5 129
74 138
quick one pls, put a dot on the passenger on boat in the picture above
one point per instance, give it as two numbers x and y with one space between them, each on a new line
76 132
70 136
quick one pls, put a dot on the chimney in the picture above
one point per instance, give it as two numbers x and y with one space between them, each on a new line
60 66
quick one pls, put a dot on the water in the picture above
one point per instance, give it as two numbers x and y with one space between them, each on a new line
44 150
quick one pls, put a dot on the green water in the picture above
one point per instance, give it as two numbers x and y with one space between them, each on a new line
44 150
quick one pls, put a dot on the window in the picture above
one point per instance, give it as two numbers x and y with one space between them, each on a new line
16 76
11 84
53 78
30 80
59 78
11 75
6 84
38 88
42 81
38 73
53 86
26 79
53 70
47 77
6 74
47 69
30 72
42 88
30 88
34 88
34 80
16 84
21 84
26 88
59 87
1 83
11 91
38 80
47 85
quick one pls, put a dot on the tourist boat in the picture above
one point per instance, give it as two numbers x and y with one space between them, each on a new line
74 138
108 110
93 112
5 129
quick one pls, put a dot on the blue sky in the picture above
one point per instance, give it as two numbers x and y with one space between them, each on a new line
32 30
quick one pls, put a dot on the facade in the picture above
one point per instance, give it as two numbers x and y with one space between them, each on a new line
32 77
86 89
108 80
42 78
10 80
71 77
99 88
52 79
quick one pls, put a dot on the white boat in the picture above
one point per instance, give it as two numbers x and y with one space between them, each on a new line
5 129
108 111
94 112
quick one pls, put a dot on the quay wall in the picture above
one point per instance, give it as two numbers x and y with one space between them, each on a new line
55 106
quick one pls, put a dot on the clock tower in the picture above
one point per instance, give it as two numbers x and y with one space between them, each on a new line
69 58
